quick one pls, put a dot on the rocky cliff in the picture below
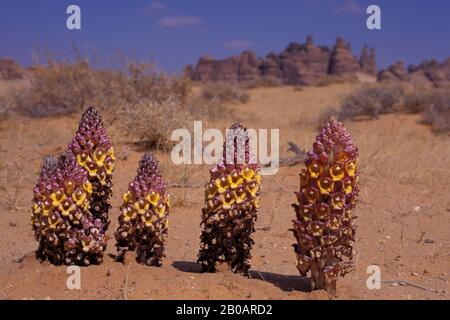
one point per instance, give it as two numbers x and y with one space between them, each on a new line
300 63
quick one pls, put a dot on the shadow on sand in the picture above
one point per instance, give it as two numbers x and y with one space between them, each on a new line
187 266
284 282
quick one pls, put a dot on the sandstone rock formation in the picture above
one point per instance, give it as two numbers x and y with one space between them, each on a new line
10 70
304 64
395 72
367 62
342 59
431 74
298 64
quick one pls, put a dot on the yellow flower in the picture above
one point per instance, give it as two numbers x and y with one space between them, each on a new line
311 194
350 167
153 198
46 208
36 209
57 197
252 189
109 165
149 220
210 191
128 214
315 169
258 178
126 197
67 208
240 196
83 159
78 197
347 185
227 200
92 171
234 180
248 173
99 158
325 185
87 187
256 203
141 206
221 185
161 209
111 153
304 178
53 223
337 201
69 187
102 178
86 244
337 172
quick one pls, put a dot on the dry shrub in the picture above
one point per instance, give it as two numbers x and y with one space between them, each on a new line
325 116
224 93
62 87
436 110
150 122
373 100
333 79
59 88
265 82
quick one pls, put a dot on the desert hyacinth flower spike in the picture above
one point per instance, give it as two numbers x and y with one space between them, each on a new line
143 220
93 151
64 227
324 227
231 205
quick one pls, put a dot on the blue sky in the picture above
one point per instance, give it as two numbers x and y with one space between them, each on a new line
175 33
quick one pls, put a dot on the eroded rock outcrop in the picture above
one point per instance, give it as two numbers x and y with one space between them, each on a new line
10 70
395 72
298 64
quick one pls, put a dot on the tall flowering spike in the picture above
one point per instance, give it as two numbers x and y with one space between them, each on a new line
65 229
324 227
231 205
94 152
143 220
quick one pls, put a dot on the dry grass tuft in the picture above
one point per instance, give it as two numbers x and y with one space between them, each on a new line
65 87
224 93
372 101
150 122
436 110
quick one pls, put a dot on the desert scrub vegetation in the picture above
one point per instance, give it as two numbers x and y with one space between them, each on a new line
264 82
224 93
64 87
374 100
150 123
435 109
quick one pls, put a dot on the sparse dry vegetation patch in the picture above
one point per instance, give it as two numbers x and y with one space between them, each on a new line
224 93
374 100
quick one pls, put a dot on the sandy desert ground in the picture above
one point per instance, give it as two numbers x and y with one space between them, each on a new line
403 212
